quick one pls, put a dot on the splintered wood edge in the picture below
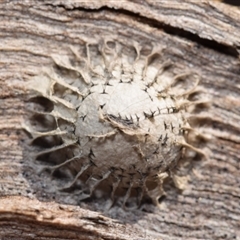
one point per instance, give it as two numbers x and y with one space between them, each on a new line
32 217
158 11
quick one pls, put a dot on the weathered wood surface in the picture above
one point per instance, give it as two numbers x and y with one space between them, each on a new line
201 35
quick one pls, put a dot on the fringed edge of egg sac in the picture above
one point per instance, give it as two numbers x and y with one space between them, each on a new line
53 103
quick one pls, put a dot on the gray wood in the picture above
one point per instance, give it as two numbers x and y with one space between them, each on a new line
201 35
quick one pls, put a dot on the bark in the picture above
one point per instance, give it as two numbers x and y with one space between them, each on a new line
201 35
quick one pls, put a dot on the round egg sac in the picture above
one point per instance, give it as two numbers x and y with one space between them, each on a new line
111 119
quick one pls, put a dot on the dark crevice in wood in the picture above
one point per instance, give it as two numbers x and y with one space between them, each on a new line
221 48
232 2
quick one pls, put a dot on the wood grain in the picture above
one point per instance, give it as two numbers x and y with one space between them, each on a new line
203 36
